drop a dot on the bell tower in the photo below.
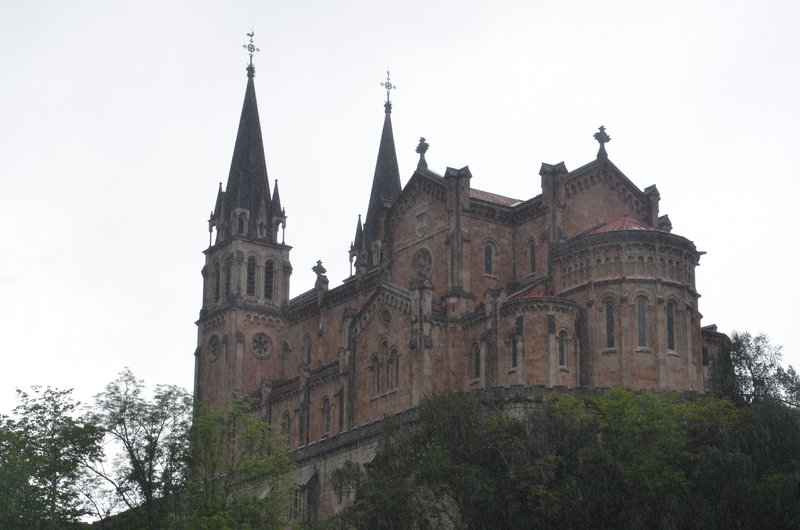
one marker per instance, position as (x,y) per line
(246,274)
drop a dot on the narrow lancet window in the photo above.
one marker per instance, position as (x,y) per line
(307,348)
(512,338)
(269,280)
(251,276)
(641,320)
(475,361)
(326,416)
(562,348)
(228,279)
(532,256)
(216,282)
(609,309)
(488,256)
(671,325)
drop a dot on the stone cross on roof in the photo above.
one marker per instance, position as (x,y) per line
(602,138)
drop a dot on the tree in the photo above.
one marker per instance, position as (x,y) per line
(20,507)
(152,443)
(41,457)
(238,470)
(612,459)
(749,369)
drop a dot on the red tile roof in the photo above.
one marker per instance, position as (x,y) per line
(493,198)
(623,223)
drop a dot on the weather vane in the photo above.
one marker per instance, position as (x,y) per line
(251,49)
(388,86)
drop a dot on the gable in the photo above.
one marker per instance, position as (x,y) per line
(599,193)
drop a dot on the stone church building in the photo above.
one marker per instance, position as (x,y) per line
(453,287)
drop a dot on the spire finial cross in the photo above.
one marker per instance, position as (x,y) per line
(251,49)
(389,87)
(602,138)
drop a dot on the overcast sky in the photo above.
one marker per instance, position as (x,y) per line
(118,120)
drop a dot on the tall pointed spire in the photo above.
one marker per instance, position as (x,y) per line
(386,181)
(276,200)
(248,184)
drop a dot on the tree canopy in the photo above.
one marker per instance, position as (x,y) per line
(614,459)
(42,451)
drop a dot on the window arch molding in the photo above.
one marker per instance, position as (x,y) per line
(307,349)
(642,303)
(217,281)
(252,266)
(490,258)
(325,410)
(671,323)
(532,255)
(609,320)
(393,369)
(563,348)
(286,427)
(474,360)
(512,344)
(374,374)
(228,271)
(269,278)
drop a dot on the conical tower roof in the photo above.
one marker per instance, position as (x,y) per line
(247,183)
(386,181)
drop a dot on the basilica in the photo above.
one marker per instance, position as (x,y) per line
(453,287)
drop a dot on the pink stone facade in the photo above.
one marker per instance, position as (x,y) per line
(581,286)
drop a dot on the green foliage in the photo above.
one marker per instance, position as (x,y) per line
(164,467)
(749,369)
(41,457)
(616,459)
(238,478)
(152,440)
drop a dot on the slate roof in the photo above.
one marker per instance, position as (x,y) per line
(247,182)
(386,182)
(623,223)
(493,198)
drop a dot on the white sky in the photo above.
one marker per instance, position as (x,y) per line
(118,119)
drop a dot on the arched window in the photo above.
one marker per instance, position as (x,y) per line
(326,415)
(228,274)
(488,259)
(340,409)
(241,225)
(269,280)
(286,427)
(532,254)
(475,361)
(641,320)
(251,276)
(671,325)
(374,385)
(609,309)
(217,274)
(512,349)
(307,348)
(393,369)
(562,348)
(383,370)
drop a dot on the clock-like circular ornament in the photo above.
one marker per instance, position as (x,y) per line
(386,319)
(261,346)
